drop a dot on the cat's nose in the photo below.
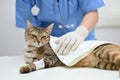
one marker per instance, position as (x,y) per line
(38,42)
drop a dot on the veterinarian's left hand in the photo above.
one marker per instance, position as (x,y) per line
(71,41)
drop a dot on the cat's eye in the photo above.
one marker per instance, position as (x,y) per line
(33,36)
(44,37)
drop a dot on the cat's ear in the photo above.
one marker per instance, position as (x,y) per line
(49,28)
(28,24)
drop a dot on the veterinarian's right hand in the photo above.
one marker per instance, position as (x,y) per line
(29,54)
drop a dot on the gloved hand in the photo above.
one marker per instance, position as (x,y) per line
(71,41)
(29,54)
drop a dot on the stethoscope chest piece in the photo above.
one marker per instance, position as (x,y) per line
(35,10)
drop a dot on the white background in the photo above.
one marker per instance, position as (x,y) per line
(12,38)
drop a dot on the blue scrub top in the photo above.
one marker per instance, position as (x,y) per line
(49,13)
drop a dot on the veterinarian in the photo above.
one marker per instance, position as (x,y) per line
(74,20)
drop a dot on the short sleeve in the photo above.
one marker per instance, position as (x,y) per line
(90,5)
(23,12)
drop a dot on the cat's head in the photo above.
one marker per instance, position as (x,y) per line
(37,36)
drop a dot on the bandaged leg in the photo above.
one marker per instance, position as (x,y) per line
(39,64)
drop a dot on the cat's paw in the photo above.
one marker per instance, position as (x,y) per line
(27,68)
(24,69)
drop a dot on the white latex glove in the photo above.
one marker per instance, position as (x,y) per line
(29,54)
(71,41)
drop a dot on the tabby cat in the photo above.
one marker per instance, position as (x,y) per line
(106,56)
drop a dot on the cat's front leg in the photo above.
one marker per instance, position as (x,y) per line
(46,62)
(32,67)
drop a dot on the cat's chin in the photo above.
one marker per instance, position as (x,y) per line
(37,46)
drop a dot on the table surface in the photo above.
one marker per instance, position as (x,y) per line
(9,69)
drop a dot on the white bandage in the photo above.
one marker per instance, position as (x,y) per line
(39,64)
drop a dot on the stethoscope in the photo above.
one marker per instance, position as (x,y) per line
(35,11)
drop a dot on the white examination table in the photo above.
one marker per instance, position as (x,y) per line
(9,70)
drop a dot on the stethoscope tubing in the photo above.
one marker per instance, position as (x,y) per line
(58,5)
(68,10)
